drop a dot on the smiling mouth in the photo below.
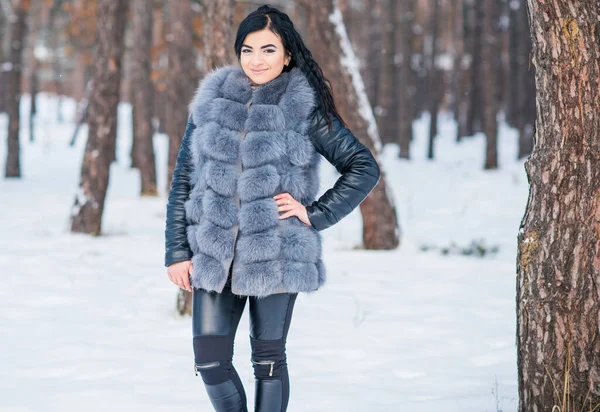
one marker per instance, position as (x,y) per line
(258,71)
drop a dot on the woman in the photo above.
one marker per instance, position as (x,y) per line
(242,220)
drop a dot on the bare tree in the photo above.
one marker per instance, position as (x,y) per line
(522,85)
(143,96)
(408,89)
(558,266)
(433,82)
(331,46)
(489,79)
(18,29)
(388,97)
(181,76)
(86,215)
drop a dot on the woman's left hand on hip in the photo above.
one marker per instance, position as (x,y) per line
(286,203)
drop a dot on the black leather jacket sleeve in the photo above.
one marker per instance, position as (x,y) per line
(177,248)
(354,161)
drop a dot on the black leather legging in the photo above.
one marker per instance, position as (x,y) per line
(215,318)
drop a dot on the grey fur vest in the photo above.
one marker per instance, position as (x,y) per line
(249,145)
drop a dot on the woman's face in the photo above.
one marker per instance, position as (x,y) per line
(262,56)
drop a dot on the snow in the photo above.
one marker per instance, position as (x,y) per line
(89,323)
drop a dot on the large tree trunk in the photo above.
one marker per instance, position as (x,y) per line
(558,273)
(331,46)
(181,76)
(18,28)
(218,36)
(489,81)
(143,96)
(86,215)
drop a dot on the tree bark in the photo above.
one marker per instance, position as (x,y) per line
(86,215)
(143,96)
(218,36)
(180,77)
(489,80)
(18,29)
(332,48)
(558,266)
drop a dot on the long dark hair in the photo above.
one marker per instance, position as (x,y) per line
(280,24)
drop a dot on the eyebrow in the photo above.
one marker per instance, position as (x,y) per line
(263,47)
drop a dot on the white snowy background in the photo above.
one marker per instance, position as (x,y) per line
(89,324)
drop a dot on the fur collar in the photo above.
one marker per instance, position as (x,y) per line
(290,90)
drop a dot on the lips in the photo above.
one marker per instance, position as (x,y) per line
(258,71)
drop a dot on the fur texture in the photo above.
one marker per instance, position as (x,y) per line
(250,144)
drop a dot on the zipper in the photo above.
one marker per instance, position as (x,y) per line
(205,366)
(266,363)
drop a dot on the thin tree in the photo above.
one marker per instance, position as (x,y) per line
(558,265)
(143,96)
(331,46)
(180,77)
(86,214)
(433,82)
(388,96)
(406,78)
(18,29)
(489,79)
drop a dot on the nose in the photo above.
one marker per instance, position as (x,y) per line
(256,59)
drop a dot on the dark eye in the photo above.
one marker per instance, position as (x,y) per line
(270,51)
(246,50)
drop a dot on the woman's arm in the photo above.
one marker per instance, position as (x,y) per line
(354,161)
(177,248)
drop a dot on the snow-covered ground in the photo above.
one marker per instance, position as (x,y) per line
(89,324)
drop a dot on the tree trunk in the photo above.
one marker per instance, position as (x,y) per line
(464,94)
(18,29)
(180,77)
(405,78)
(331,46)
(86,215)
(374,52)
(474,115)
(388,96)
(3,36)
(143,96)
(433,83)
(526,79)
(558,272)
(489,82)
(218,36)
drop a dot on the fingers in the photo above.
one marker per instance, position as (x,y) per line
(288,214)
(186,283)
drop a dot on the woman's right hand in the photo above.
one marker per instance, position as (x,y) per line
(179,274)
